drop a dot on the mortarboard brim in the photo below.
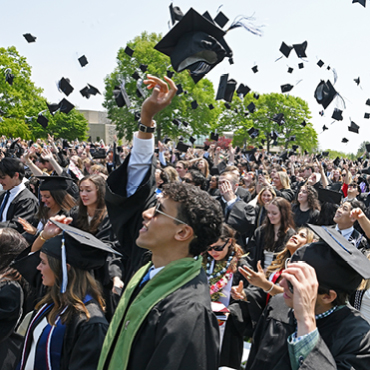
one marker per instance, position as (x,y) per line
(327,195)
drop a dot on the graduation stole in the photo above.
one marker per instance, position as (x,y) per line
(125,325)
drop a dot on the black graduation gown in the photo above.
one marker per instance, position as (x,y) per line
(126,213)
(180,332)
(344,340)
(303,218)
(24,205)
(83,339)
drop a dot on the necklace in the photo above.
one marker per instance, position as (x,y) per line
(216,273)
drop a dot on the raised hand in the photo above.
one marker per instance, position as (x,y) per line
(238,293)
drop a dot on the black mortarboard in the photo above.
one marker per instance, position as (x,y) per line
(170,74)
(121,96)
(176,122)
(144,68)
(226,88)
(300,49)
(135,76)
(129,51)
(9,77)
(337,114)
(166,139)
(279,118)
(324,128)
(83,60)
(284,155)
(176,14)
(362,2)
(185,123)
(43,121)
(52,108)
(367,115)
(65,86)
(193,43)
(325,154)
(55,182)
(214,136)
(221,19)
(357,80)
(327,195)
(242,90)
(336,161)
(85,92)
(255,69)
(291,138)
(274,135)
(182,147)
(353,128)
(300,65)
(290,70)
(294,147)
(253,132)
(367,146)
(286,88)
(227,105)
(325,93)
(194,104)
(285,49)
(100,153)
(303,123)
(367,102)
(344,140)
(93,90)
(210,106)
(256,96)
(251,107)
(65,106)
(320,63)
(29,37)
(192,140)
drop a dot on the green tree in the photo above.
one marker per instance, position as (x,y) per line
(23,99)
(362,149)
(294,109)
(201,120)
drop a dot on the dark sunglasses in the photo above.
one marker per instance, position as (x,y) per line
(218,248)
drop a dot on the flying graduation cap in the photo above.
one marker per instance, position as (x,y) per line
(285,49)
(286,88)
(65,106)
(226,88)
(53,107)
(65,86)
(121,96)
(279,118)
(42,120)
(337,114)
(325,93)
(353,127)
(129,51)
(324,128)
(255,69)
(357,80)
(253,132)
(83,60)
(300,49)
(362,2)
(89,90)
(9,77)
(176,14)
(29,37)
(344,140)
(242,90)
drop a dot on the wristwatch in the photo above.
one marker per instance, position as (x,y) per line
(146,129)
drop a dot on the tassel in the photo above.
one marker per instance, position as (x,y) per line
(246,23)
(64,266)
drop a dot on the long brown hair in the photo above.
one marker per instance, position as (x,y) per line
(64,200)
(286,222)
(100,210)
(80,283)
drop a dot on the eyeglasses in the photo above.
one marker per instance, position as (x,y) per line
(290,286)
(156,211)
(218,248)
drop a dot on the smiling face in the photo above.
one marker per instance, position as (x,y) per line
(266,197)
(220,255)
(273,213)
(276,181)
(296,241)
(342,216)
(47,199)
(47,274)
(88,193)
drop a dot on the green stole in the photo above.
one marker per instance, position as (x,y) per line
(170,278)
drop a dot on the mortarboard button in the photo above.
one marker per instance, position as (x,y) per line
(65,106)
(325,93)
(290,70)
(210,106)
(300,65)
(300,49)
(255,69)
(344,140)
(337,114)
(367,115)
(144,68)
(43,121)
(135,76)
(176,14)
(83,61)
(221,19)
(194,104)
(320,63)
(179,89)
(251,107)
(29,37)
(65,86)
(324,128)
(285,49)
(353,128)
(170,73)
(129,51)
(286,88)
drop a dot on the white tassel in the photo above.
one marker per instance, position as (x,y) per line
(64,267)
(246,23)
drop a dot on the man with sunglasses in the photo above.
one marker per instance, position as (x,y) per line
(311,325)
(164,318)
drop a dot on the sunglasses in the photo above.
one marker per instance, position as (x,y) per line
(218,248)
(158,211)
(290,286)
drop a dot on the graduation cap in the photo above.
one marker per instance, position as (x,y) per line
(166,139)
(210,106)
(194,43)
(274,135)
(325,93)
(194,104)
(367,102)
(135,76)
(255,69)
(100,153)
(344,140)
(65,106)
(291,138)
(176,14)
(89,90)
(137,115)
(285,49)
(185,123)
(284,156)
(214,136)
(336,161)
(242,90)
(327,195)
(303,123)
(325,154)
(286,88)
(367,115)
(253,132)
(29,37)
(170,74)
(55,182)
(256,96)
(192,140)
(320,63)
(324,128)
(290,70)
(357,80)
(65,86)
(179,89)
(9,77)
(182,147)
(300,49)
(53,107)
(129,51)
(227,105)
(353,128)
(279,118)
(221,19)
(226,88)
(83,60)
(42,120)
(338,264)
(362,2)
(251,107)
(294,147)
(121,96)
(176,122)
(337,114)
(144,68)
(300,65)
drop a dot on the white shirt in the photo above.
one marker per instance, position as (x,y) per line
(13,193)
(365,305)
(345,232)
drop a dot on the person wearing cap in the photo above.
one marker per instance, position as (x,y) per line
(310,325)
(16,200)
(164,317)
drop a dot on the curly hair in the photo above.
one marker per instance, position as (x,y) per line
(200,211)
(198,178)
(312,197)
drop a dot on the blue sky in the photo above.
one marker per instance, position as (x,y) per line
(337,32)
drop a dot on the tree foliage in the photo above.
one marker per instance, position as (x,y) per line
(23,99)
